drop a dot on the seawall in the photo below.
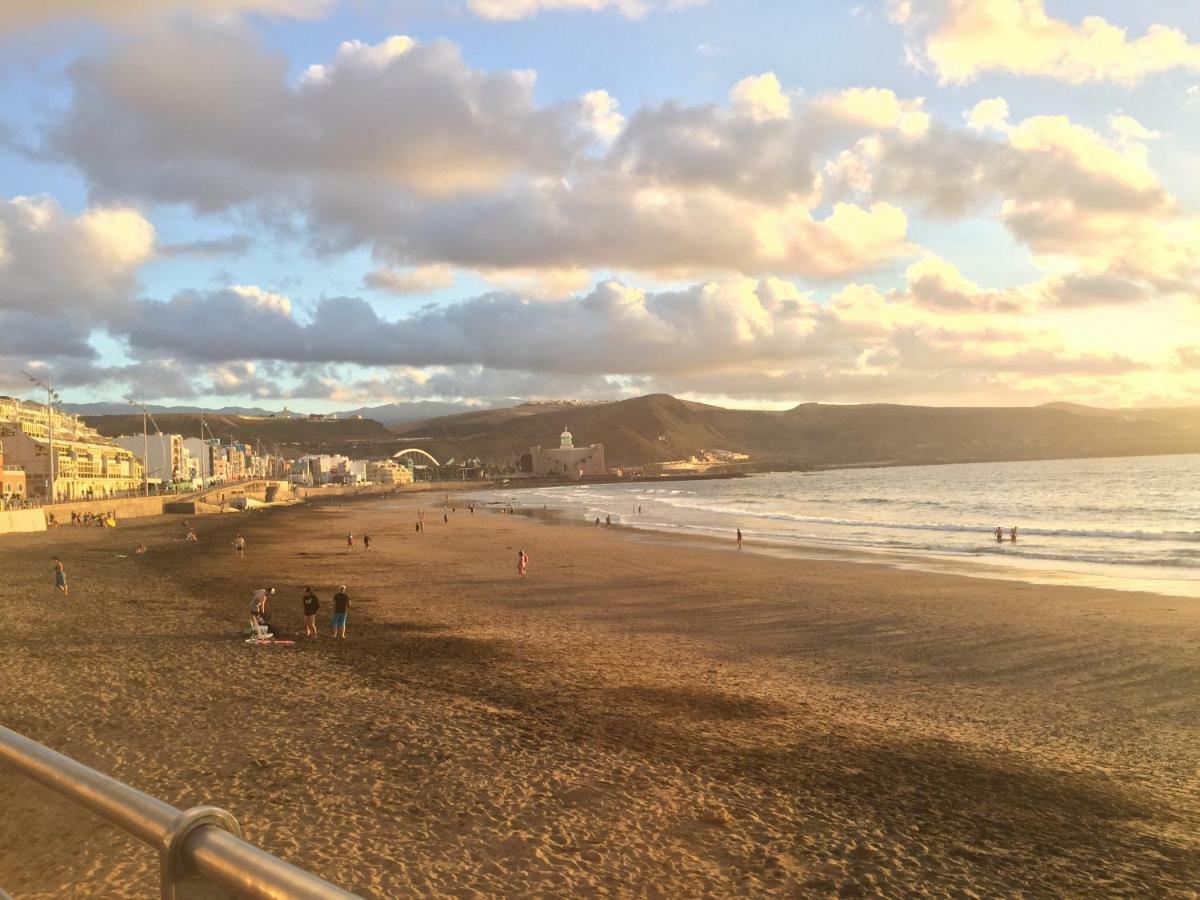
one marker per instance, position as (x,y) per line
(19,520)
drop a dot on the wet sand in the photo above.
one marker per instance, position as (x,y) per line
(634,717)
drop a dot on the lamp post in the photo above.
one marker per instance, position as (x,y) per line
(51,398)
(145,444)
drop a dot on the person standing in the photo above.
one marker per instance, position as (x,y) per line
(366,542)
(258,605)
(311,606)
(349,540)
(1013,534)
(341,608)
(739,538)
(60,576)
(999,534)
(522,562)
(239,546)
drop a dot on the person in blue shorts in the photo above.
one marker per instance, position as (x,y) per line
(341,607)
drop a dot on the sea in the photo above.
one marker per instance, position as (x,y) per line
(1131,523)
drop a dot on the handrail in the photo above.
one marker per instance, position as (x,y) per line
(198,838)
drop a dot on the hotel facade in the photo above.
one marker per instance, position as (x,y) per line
(87,464)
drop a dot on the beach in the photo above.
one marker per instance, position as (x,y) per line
(646,717)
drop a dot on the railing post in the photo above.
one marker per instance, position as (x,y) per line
(177,882)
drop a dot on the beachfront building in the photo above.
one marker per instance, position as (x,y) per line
(12,483)
(567,460)
(162,454)
(206,460)
(388,471)
(87,464)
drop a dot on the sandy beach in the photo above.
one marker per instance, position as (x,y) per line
(635,717)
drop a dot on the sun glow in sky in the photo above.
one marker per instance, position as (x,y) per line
(336,203)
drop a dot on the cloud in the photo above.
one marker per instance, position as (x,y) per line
(129,12)
(230,245)
(52,262)
(423,280)
(466,170)
(509,10)
(963,39)
(879,109)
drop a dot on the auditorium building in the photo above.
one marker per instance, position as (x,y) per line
(567,460)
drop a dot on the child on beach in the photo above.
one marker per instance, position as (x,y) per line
(522,562)
(60,576)
(341,608)
(239,546)
(311,605)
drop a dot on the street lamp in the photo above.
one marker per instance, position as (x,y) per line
(52,397)
(145,444)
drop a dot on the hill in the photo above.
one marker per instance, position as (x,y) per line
(293,436)
(659,428)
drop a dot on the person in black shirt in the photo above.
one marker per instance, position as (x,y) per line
(341,606)
(311,605)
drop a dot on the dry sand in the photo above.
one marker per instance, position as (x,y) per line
(635,717)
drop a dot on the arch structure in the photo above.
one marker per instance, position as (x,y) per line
(416,450)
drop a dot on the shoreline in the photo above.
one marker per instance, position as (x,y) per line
(949,564)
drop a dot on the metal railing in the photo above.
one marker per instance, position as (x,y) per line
(198,848)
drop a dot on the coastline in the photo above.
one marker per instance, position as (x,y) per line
(990,568)
(633,716)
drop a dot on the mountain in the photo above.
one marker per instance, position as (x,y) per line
(123,409)
(360,437)
(659,428)
(399,413)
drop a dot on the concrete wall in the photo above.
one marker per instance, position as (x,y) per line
(14,520)
(129,508)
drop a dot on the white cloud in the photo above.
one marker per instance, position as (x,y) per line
(422,280)
(467,171)
(19,13)
(880,109)
(963,39)
(988,115)
(522,9)
(761,97)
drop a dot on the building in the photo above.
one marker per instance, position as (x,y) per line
(567,460)
(86,464)
(389,472)
(207,460)
(164,459)
(12,483)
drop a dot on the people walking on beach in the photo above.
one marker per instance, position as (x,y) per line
(341,608)
(999,534)
(239,545)
(311,605)
(739,538)
(349,540)
(1012,534)
(366,542)
(522,562)
(60,576)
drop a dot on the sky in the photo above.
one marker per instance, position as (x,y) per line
(329,204)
